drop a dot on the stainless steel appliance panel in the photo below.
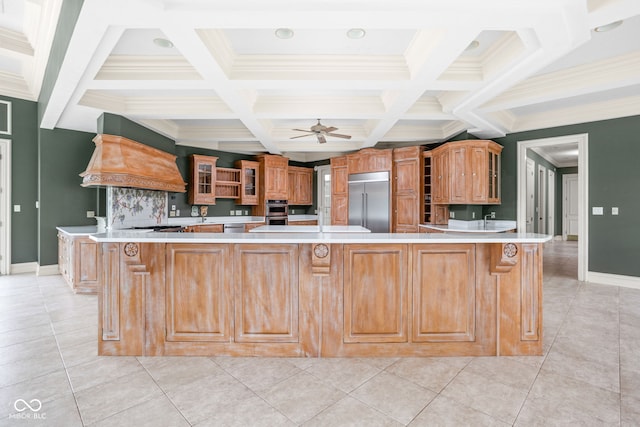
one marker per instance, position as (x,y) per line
(369,201)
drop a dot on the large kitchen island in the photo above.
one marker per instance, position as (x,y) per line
(320,294)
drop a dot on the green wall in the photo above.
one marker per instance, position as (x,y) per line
(24,179)
(64,154)
(112,124)
(614,147)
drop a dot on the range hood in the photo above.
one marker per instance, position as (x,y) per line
(121,162)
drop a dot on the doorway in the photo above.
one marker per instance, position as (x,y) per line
(5,206)
(530,194)
(551,202)
(324,194)
(583,190)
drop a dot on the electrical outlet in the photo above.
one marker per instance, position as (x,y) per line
(173,207)
(598,210)
(493,215)
(452,214)
(473,215)
(172,213)
(614,211)
(232,212)
(246,212)
(91,214)
(177,212)
(238,212)
(16,208)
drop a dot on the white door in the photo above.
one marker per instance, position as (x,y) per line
(551,202)
(542,199)
(530,194)
(570,206)
(324,195)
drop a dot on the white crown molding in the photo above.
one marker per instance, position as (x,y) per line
(14,43)
(607,74)
(463,68)
(505,51)
(15,86)
(166,128)
(103,101)
(319,67)
(593,112)
(130,67)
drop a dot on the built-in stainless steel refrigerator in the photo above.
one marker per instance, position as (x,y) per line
(369,201)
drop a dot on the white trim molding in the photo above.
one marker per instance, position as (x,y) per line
(613,279)
(583,190)
(7,131)
(5,206)
(24,267)
(48,270)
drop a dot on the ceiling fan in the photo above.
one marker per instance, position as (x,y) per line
(320,131)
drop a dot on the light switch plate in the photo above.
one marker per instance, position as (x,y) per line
(598,210)
(16,208)
(614,211)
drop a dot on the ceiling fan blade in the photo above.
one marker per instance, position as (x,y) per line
(321,139)
(303,130)
(330,129)
(302,136)
(337,135)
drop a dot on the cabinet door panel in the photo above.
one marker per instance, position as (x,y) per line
(479,174)
(406,213)
(458,168)
(443,293)
(266,293)
(375,293)
(198,293)
(339,210)
(87,273)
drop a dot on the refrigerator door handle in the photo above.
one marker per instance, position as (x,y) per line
(364,212)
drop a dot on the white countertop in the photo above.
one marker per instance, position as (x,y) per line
(262,238)
(309,229)
(492,226)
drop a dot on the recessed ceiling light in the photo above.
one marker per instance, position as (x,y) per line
(473,45)
(163,42)
(284,33)
(608,27)
(356,33)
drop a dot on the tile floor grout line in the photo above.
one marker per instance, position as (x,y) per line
(64,365)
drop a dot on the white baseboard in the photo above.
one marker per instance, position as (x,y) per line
(48,270)
(613,279)
(24,267)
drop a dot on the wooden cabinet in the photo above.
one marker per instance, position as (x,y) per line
(304,222)
(466,172)
(406,189)
(249,181)
(440,174)
(300,186)
(204,228)
(78,262)
(227,183)
(339,191)
(274,177)
(202,186)
(266,293)
(370,160)
(250,225)
(376,303)
(444,297)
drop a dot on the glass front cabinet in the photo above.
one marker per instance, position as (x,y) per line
(249,172)
(202,187)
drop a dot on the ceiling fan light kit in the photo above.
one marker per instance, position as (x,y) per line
(321,132)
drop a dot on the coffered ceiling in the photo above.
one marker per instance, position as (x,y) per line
(227,81)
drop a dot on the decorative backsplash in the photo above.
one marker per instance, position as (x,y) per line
(132,207)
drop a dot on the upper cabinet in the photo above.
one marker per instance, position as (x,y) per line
(249,172)
(406,189)
(274,177)
(370,160)
(202,188)
(300,185)
(466,172)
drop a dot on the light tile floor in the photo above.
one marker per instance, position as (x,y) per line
(589,374)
